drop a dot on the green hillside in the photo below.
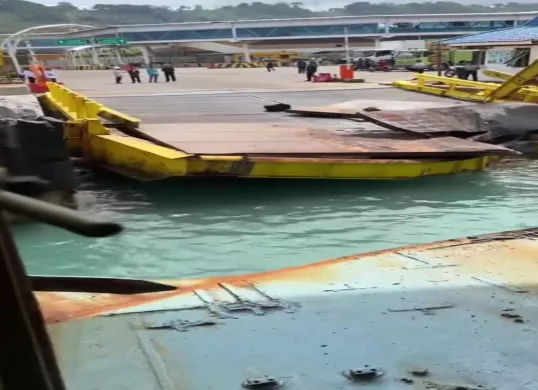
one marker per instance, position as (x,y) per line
(18,14)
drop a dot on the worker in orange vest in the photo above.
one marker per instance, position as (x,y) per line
(39,72)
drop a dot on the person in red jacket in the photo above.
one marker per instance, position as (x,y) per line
(129,69)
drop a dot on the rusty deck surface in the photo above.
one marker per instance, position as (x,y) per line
(459,314)
(283,139)
(236,124)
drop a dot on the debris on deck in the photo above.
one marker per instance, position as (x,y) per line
(492,121)
(353,108)
(511,124)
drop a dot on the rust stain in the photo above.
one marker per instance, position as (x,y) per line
(58,307)
(340,160)
(397,148)
(512,263)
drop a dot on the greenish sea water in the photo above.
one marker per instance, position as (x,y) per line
(191,229)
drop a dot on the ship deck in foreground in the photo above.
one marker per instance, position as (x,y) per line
(459,314)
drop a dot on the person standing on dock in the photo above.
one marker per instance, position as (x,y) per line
(169,72)
(301,66)
(29,75)
(311,69)
(270,66)
(129,70)
(135,75)
(118,74)
(51,75)
(153,74)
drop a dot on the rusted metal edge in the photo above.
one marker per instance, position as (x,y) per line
(339,159)
(63,307)
(389,155)
(313,113)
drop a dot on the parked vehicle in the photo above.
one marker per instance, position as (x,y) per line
(381,65)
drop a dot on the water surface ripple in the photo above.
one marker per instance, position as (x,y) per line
(201,228)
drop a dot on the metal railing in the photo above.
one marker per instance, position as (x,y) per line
(76,106)
(515,88)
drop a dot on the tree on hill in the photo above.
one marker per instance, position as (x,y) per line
(18,14)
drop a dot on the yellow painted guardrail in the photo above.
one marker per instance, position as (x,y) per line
(514,88)
(74,106)
(87,135)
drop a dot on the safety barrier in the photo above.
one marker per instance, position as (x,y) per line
(471,90)
(234,65)
(87,67)
(129,155)
(85,113)
(75,106)
(208,65)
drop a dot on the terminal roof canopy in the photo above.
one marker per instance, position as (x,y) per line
(527,33)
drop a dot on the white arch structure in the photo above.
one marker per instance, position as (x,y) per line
(12,42)
(77,52)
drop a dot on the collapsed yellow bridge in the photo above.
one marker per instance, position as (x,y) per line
(119,142)
(520,87)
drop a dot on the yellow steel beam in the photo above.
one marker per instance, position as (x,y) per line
(497,74)
(514,83)
(118,117)
(435,90)
(532,84)
(475,91)
(154,162)
(325,168)
(71,104)
(424,78)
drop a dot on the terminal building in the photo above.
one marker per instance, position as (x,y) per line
(515,47)
(251,36)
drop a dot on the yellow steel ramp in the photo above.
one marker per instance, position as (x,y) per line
(120,142)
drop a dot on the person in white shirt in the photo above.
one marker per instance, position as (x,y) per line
(118,74)
(50,74)
(29,76)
